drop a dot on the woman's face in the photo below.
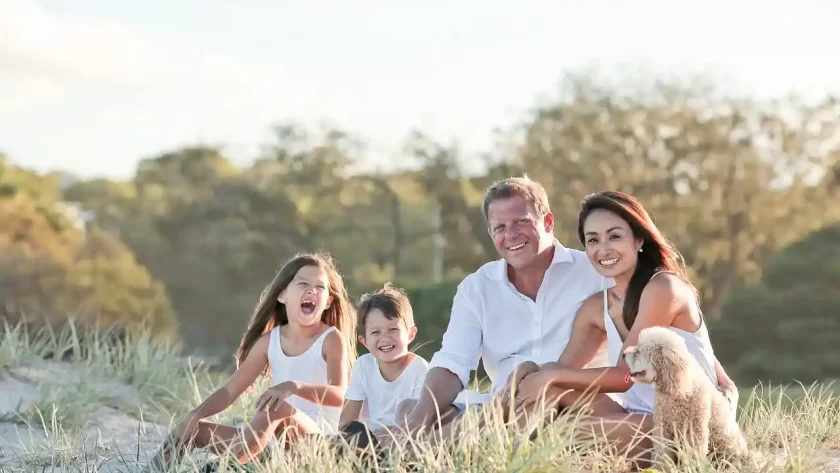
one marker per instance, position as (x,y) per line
(610,244)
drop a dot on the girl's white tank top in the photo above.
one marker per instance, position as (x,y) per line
(308,367)
(640,397)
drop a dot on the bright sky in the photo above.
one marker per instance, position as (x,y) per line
(93,86)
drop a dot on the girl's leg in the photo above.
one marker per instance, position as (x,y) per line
(249,441)
(246,442)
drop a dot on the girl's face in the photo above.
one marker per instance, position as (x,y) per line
(610,244)
(307,296)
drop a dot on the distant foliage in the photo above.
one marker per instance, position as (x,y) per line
(432,305)
(788,325)
(730,181)
(52,267)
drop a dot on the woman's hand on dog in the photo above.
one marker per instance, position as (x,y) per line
(730,392)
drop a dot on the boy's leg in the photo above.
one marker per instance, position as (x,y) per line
(403,410)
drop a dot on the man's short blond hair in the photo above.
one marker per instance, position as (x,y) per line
(532,191)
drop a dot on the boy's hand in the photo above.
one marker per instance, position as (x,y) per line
(271,399)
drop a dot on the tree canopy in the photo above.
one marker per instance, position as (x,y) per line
(194,238)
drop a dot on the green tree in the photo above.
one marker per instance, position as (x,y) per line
(786,327)
(53,265)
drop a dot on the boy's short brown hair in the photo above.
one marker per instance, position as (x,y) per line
(532,191)
(391,300)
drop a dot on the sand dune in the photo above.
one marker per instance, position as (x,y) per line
(36,431)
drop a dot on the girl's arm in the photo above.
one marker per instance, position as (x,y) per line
(332,393)
(659,304)
(248,372)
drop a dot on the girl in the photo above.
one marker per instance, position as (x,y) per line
(651,288)
(302,333)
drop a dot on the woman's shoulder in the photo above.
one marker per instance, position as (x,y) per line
(593,303)
(667,285)
(592,308)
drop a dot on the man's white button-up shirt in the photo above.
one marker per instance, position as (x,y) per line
(493,321)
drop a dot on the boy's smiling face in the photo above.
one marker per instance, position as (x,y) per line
(386,339)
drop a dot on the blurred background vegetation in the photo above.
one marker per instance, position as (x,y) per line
(748,191)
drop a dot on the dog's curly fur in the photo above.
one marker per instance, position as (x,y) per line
(688,409)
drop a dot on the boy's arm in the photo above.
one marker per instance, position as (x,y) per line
(419,381)
(354,398)
(350,412)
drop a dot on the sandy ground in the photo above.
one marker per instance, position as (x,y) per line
(110,438)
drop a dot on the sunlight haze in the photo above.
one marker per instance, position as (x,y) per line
(91,86)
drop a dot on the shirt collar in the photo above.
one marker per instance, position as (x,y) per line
(561,255)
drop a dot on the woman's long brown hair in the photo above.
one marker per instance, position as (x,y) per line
(269,312)
(658,254)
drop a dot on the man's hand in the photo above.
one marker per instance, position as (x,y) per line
(271,399)
(519,373)
(532,389)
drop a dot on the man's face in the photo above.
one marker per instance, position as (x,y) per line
(519,235)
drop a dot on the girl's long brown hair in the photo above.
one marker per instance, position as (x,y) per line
(269,312)
(658,254)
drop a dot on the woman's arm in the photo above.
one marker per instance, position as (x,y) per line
(332,393)
(587,335)
(722,378)
(660,302)
(726,386)
(248,372)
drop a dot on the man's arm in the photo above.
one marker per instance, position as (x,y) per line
(450,368)
(439,392)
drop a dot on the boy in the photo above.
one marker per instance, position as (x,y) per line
(388,380)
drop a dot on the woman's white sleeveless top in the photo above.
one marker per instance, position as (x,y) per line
(639,399)
(308,367)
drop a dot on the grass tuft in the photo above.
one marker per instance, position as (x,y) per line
(79,399)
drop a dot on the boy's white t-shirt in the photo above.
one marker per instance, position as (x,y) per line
(381,397)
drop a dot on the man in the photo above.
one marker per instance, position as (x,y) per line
(510,311)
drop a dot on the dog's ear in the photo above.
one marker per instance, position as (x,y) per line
(670,368)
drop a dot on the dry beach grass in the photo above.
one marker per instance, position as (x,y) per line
(84,402)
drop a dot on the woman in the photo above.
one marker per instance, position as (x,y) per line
(651,288)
